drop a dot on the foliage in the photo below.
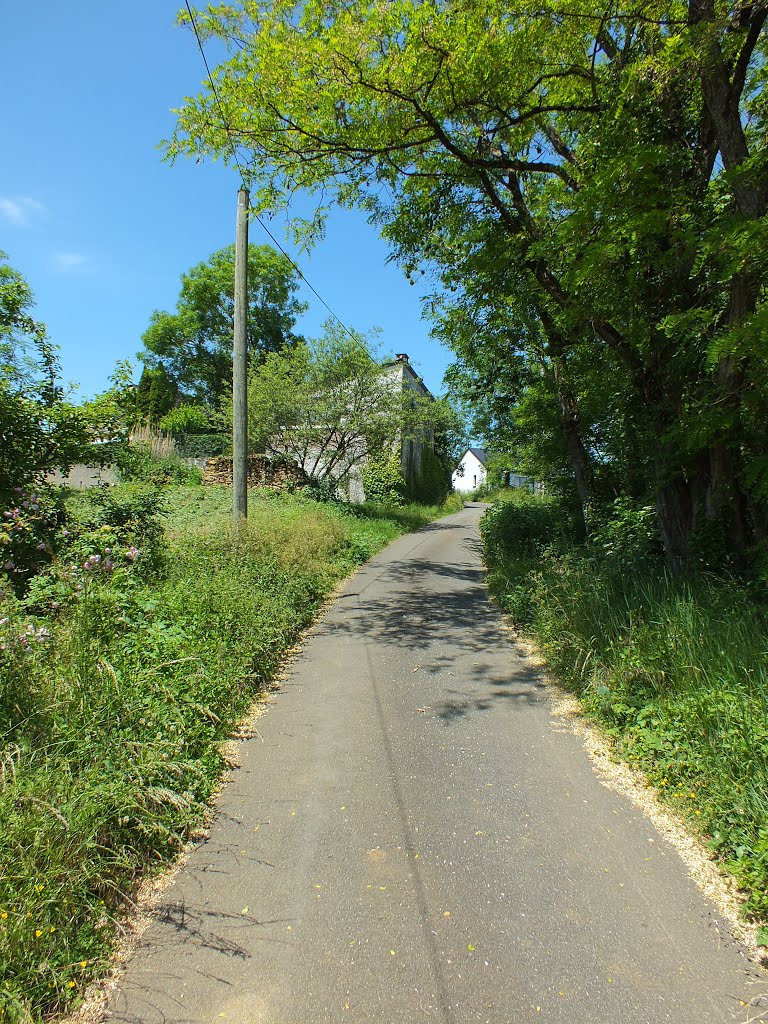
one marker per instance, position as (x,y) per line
(586,186)
(328,404)
(39,429)
(137,463)
(192,347)
(675,671)
(28,534)
(203,446)
(156,395)
(117,686)
(433,478)
(383,480)
(185,419)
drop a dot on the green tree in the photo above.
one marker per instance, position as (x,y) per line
(156,394)
(39,429)
(193,345)
(606,168)
(329,405)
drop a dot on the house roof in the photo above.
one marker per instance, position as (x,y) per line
(480,453)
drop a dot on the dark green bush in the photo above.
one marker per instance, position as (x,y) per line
(203,446)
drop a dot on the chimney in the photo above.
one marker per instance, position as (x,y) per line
(401,357)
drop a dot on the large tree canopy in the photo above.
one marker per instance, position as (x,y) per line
(193,346)
(591,179)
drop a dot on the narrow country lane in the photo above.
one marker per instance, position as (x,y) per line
(412,838)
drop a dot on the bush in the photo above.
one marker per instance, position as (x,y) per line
(383,480)
(203,446)
(137,463)
(185,419)
(29,532)
(629,538)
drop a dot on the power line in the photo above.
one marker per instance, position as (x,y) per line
(261,223)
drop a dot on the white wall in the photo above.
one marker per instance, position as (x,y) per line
(469,474)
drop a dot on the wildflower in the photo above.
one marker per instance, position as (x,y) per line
(51,930)
(70,984)
(94,559)
(41,546)
(38,932)
(83,963)
(132,553)
(3,914)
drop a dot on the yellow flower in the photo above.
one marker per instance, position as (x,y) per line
(70,984)
(38,933)
(83,963)
(51,930)
(3,914)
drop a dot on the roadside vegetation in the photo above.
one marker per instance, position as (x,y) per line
(675,669)
(135,632)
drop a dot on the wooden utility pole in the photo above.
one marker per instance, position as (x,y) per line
(240,365)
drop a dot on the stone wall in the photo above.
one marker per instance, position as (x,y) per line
(262,472)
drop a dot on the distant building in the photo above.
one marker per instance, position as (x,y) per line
(405,378)
(471,472)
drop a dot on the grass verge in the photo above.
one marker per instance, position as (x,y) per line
(123,665)
(675,671)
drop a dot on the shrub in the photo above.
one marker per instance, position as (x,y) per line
(185,419)
(383,480)
(629,537)
(137,463)
(28,534)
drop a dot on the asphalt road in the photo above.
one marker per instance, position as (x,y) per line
(412,838)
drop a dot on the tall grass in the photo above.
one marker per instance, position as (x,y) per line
(675,670)
(116,688)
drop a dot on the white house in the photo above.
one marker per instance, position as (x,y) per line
(470,472)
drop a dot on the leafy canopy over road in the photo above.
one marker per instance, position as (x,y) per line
(589,184)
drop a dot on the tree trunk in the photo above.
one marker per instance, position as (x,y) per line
(674,510)
(580,461)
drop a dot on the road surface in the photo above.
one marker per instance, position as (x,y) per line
(412,838)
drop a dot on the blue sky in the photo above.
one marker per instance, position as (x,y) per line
(102,229)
